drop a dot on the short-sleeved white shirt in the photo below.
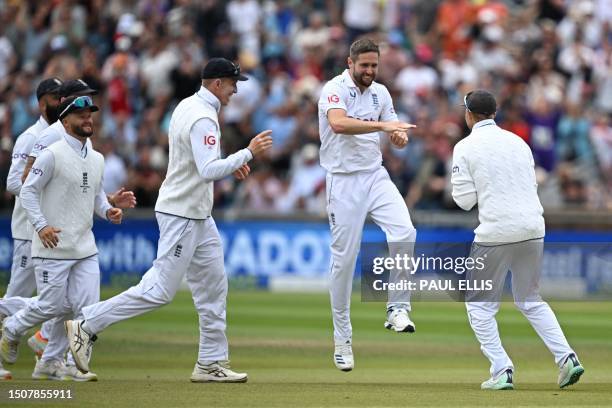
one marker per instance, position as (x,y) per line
(351,153)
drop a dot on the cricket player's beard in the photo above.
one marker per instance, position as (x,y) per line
(360,80)
(79,131)
(52,114)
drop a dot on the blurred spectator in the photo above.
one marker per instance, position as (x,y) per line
(513,122)
(361,17)
(543,120)
(602,75)
(393,58)
(573,142)
(417,78)
(453,23)
(245,17)
(261,191)
(24,105)
(314,36)
(115,175)
(307,184)
(601,139)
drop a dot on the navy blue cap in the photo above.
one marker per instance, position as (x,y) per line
(76,87)
(48,86)
(222,68)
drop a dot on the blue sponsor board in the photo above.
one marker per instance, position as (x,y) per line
(283,248)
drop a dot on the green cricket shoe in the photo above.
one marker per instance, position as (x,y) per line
(570,371)
(501,382)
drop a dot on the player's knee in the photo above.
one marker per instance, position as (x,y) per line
(479,311)
(164,298)
(528,307)
(52,309)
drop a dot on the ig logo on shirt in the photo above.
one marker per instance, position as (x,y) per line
(333,98)
(210,141)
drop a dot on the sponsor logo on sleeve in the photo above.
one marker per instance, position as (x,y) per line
(333,98)
(210,141)
(37,172)
(21,156)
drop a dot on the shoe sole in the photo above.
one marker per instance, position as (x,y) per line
(575,375)
(242,380)
(502,388)
(6,377)
(77,360)
(46,378)
(407,329)
(68,378)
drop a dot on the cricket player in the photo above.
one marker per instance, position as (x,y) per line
(189,243)
(22,282)
(48,136)
(494,168)
(60,196)
(353,109)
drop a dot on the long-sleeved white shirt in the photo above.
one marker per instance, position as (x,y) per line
(195,158)
(205,140)
(41,174)
(494,168)
(21,150)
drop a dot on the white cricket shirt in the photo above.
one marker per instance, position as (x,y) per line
(195,158)
(20,226)
(351,153)
(494,168)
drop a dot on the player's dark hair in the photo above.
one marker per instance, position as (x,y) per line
(362,46)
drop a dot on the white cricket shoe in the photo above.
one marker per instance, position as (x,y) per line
(343,357)
(9,349)
(217,371)
(57,371)
(399,321)
(80,343)
(5,374)
(73,374)
(501,382)
(570,371)
(49,370)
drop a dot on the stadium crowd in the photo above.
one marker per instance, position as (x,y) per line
(549,63)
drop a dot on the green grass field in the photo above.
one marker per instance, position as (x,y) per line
(284,342)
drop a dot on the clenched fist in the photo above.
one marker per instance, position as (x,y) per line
(398,138)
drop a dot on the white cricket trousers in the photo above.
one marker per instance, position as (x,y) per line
(65,286)
(350,199)
(186,247)
(22,282)
(524,260)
